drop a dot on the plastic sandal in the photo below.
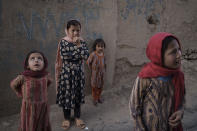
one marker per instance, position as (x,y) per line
(80,123)
(65,124)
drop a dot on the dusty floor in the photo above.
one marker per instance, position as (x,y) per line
(112,115)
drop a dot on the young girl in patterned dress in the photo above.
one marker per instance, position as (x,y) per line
(32,86)
(158,95)
(96,63)
(70,81)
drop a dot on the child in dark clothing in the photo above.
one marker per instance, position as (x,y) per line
(70,80)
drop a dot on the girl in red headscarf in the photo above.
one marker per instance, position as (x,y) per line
(158,95)
(32,86)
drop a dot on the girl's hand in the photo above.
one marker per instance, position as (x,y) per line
(18,94)
(77,41)
(175,118)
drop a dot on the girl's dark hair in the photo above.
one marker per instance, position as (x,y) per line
(27,58)
(98,41)
(165,44)
(72,22)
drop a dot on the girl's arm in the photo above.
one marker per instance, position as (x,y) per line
(16,85)
(73,52)
(83,50)
(58,66)
(65,50)
(105,63)
(175,118)
(135,105)
(90,60)
(82,47)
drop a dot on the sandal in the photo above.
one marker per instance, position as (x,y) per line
(100,101)
(80,123)
(95,103)
(65,124)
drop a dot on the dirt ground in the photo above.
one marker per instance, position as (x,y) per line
(112,115)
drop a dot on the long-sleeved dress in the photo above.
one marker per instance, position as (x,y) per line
(96,63)
(35,109)
(70,74)
(152,103)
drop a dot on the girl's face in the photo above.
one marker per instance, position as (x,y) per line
(172,56)
(99,47)
(73,31)
(36,62)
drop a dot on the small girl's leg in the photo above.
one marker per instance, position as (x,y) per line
(95,96)
(99,95)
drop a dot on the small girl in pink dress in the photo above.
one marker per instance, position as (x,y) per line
(32,86)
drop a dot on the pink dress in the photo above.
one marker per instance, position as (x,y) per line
(35,109)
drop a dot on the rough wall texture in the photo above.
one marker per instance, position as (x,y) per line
(125,25)
(138,20)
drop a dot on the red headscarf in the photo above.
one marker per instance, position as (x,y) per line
(31,73)
(155,69)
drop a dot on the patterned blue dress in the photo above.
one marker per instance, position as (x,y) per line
(71,85)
